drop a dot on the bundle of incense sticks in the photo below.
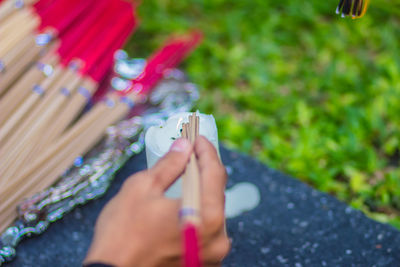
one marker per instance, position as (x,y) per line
(190,212)
(47,141)
(62,50)
(40,104)
(68,75)
(28,30)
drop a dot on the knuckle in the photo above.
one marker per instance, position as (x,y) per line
(168,165)
(218,250)
(221,171)
(130,183)
(214,220)
(157,181)
(160,173)
(173,157)
(218,171)
(223,248)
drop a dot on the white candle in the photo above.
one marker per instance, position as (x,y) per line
(240,198)
(158,140)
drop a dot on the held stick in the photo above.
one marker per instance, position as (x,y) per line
(190,212)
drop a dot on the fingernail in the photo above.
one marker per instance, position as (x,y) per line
(180,145)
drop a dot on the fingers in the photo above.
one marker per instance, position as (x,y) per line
(171,166)
(215,251)
(212,172)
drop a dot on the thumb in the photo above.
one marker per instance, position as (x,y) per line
(172,165)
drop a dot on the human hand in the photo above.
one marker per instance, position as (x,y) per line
(140,226)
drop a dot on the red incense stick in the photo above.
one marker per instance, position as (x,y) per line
(41,6)
(61,14)
(165,58)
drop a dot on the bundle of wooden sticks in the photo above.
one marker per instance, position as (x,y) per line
(49,72)
(190,212)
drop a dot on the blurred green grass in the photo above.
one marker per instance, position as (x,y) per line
(303,90)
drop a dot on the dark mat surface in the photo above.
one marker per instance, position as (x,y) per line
(294,225)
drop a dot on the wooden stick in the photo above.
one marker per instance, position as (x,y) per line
(6,222)
(12,146)
(197,126)
(8,7)
(20,118)
(23,87)
(18,50)
(13,23)
(62,114)
(59,145)
(89,129)
(17,155)
(12,17)
(17,61)
(191,177)
(75,105)
(26,27)
(68,148)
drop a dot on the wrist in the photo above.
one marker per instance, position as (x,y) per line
(97,264)
(113,255)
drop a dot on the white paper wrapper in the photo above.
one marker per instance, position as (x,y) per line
(158,140)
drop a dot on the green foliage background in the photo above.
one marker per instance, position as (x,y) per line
(303,90)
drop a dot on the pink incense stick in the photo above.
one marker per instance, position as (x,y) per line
(41,6)
(102,72)
(57,18)
(191,247)
(144,81)
(126,19)
(77,10)
(179,47)
(76,38)
(87,19)
(95,32)
(53,13)
(102,67)
(167,57)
